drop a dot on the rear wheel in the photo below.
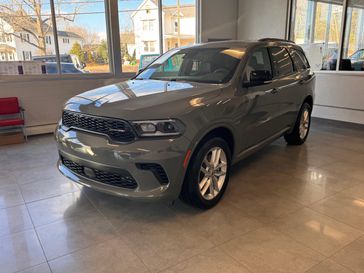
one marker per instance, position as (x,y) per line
(302,127)
(208,174)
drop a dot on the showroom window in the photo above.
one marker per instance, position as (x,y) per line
(53,37)
(179,23)
(317,28)
(330,30)
(80,45)
(139,33)
(353,46)
(140,24)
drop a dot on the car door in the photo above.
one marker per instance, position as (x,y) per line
(303,81)
(256,110)
(284,99)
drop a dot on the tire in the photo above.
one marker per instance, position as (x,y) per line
(299,134)
(201,174)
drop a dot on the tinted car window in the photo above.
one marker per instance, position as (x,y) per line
(297,59)
(206,65)
(282,64)
(258,61)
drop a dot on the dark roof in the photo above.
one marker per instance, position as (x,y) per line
(68,34)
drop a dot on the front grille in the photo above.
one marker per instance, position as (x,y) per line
(116,129)
(124,180)
(156,169)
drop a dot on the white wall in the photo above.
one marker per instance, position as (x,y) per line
(261,18)
(219,19)
(339,96)
(43,99)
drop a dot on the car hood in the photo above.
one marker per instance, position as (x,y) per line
(143,99)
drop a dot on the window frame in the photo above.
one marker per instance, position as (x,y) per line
(114,45)
(290,25)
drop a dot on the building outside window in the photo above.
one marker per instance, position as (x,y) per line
(149,46)
(48,40)
(27,55)
(149,25)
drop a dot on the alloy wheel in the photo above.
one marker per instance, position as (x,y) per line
(212,174)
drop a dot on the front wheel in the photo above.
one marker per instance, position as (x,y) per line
(208,174)
(302,127)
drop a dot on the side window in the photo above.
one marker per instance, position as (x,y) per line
(259,62)
(304,58)
(297,59)
(282,64)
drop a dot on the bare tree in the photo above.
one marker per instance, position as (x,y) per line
(32,17)
(89,37)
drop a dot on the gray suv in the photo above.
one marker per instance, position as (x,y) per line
(176,128)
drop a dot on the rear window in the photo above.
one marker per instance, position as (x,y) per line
(298,59)
(282,63)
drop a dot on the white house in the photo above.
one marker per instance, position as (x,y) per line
(20,46)
(178,28)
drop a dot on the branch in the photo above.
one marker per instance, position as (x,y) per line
(31,43)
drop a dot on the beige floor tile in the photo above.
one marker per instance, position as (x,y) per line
(324,179)
(60,207)
(211,261)
(42,268)
(329,266)
(267,250)
(161,244)
(108,257)
(20,251)
(71,234)
(14,219)
(218,224)
(352,256)
(317,231)
(10,196)
(350,169)
(355,191)
(261,204)
(46,188)
(38,174)
(343,208)
(6,177)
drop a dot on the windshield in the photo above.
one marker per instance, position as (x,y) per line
(206,65)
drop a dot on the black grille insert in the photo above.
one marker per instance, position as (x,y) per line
(124,180)
(156,169)
(116,129)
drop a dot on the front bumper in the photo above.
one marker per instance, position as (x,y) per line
(97,152)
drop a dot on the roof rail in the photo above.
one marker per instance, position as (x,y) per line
(275,40)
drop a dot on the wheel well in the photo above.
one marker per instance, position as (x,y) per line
(222,132)
(309,100)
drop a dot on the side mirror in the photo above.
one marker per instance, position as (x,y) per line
(258,77)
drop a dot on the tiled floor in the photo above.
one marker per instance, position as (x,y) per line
(287,209)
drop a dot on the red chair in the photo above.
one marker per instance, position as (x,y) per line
(9,107)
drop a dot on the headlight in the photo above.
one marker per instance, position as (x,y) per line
(168,127)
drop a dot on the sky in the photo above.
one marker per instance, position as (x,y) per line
(92,16)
